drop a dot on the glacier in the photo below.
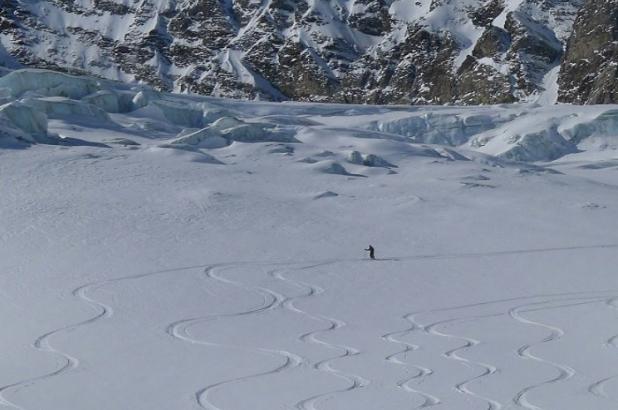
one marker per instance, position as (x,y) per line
(519,132)
(163,251)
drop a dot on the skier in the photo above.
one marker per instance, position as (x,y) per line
(371,252)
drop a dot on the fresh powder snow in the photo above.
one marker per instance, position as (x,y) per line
(162,251)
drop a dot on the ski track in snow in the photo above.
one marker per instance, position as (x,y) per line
(565,372)
(431,329)
(469,342)
(271,300)
(42,343)
(428,399)
(179,329)
(356,381)
(488,369)
(598,387)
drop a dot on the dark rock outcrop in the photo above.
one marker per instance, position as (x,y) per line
(368,51)
(589,69)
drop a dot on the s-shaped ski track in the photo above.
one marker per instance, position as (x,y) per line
(42,343)
(355,381)
(431,329)
(429,400)
(598,387)
(565,372)
(271,300)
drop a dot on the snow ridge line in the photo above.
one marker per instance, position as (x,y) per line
(356,381)
(42,344)
(564,372)
(429,399)
(271,300)
(598,388)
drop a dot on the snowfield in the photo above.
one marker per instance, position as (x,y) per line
(177,252)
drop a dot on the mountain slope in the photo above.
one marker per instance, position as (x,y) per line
(590,65)
(362,51)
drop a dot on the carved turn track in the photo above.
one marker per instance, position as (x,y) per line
(565,372)
(355,381)
(42,343)
(428,399)
(598,388)
(488,369)
(271,300)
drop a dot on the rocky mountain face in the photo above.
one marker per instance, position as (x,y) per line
(360,51)
(589,72)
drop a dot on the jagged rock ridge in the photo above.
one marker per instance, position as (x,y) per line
(361,51)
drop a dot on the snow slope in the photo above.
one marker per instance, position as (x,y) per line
(364,51)
(188,252)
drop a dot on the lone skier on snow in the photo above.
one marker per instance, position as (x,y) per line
(371,252)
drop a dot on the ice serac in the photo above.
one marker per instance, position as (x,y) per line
(447,129)
(21,122)
(226,130)
(193,124)
(363,51)
(598,129)
(589,70)
(47,83)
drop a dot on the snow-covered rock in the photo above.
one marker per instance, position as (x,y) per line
(369,160)
(364,51)
(589,69)
(332,167)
